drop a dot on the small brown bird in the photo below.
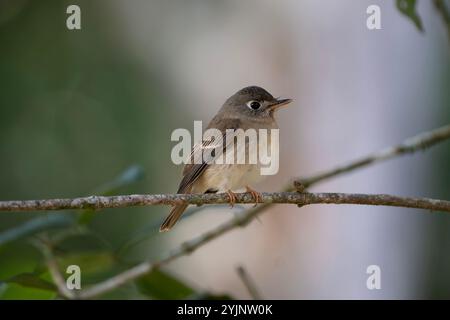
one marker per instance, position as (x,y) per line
(251,107)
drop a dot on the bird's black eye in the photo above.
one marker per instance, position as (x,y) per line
(253,104)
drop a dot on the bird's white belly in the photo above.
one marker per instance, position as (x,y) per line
(228,177)
(224,177)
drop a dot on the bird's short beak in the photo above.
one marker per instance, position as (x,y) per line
(279,103)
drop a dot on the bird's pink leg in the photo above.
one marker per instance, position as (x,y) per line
(232,196)
(255,194)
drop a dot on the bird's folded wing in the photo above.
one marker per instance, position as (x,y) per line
(208,151)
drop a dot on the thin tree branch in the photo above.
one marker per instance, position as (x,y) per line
(421,141)
(248,283)
(184,249)
(52,265)
(297,198)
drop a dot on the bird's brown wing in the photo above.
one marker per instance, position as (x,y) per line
(192,172)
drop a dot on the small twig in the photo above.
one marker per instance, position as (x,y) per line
(411,145)
(248,283)
(47,250)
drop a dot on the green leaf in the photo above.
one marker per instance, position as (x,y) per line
(408,8)
(160,285)
(16,260)
(91,264)
(86,216)
(31,280)
(132,174)
(35,226)
(13,291)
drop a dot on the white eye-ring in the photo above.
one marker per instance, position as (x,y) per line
(254,105)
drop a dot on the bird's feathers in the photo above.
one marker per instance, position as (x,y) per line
(193,171)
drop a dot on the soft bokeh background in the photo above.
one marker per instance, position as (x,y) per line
(92,110)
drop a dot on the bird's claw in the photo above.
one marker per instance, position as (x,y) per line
(232,197)
(255,194)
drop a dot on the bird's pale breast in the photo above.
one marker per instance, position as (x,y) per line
(223,177)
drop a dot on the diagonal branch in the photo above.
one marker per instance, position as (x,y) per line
(416,143)
(248,283)
(52,265)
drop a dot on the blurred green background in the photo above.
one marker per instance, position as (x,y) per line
(91,112)
(77,113)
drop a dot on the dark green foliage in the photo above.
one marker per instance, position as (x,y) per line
(408,8)
(160,285)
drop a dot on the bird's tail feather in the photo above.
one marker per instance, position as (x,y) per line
(173,217)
